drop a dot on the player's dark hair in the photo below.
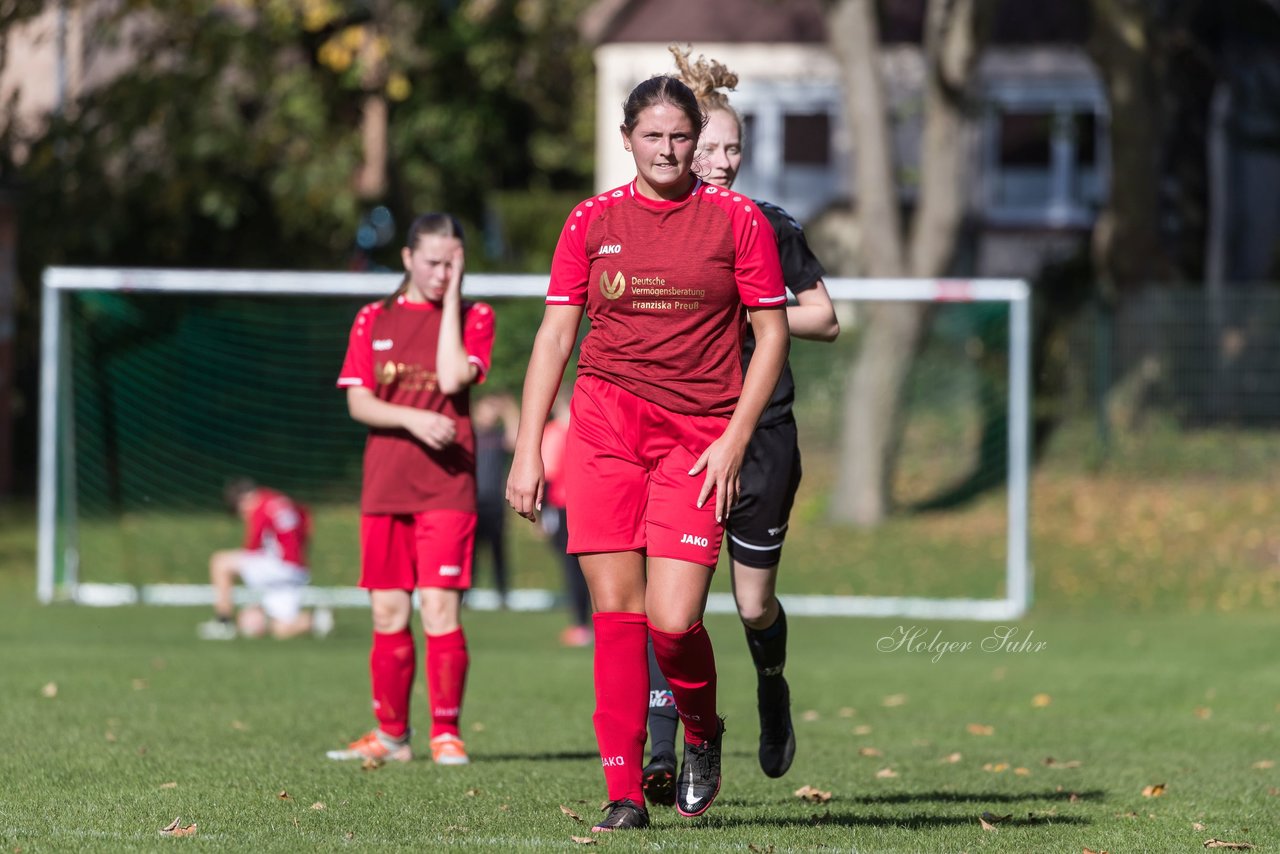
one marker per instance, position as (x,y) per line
(662,89)
(235,489)
(426,225)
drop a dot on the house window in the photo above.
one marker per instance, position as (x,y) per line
(1043,161)
(806,139)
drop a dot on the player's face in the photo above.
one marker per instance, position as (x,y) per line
(662,143)
(719,149)
(430,265)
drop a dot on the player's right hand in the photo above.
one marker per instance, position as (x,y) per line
(525,485)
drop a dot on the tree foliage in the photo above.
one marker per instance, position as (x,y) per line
(233,136)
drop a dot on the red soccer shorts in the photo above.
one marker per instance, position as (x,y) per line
(406,551)
(627,476)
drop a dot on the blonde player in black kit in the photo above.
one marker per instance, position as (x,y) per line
(770,471)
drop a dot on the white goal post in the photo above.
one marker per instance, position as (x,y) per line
(56,484)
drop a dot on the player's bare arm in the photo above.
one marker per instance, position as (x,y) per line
(434,430)
(814,317)
(454,370)
(552,347)
(722,460)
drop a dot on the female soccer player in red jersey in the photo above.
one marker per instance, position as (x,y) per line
(410,361)
(661,418)
(771,470)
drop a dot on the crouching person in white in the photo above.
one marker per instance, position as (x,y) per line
(272,561)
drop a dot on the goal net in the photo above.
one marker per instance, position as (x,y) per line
(160,385)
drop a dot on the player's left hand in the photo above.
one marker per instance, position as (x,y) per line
(722,461)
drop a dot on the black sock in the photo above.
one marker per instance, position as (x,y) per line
(663,717)
(769,646)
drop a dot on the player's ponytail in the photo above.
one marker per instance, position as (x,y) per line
(428,224)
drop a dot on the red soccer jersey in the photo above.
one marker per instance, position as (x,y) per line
(664,284)
(278,526)
(392,351)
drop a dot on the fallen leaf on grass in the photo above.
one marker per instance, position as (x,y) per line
(175,828)
(756,849)
(1264,764)
(1040,701)
(951,758)
(49,691)
(812,794)
(1022,772)
(996,767)
(1053,763)
(318,805)
(1089,850)
(1203,712)
(1233,846)
(894,700)
(810,716)
(349,835)
(1153,791)
(284,796)
(989,820)
(847,712)
(862,729)
(169,785)
(870,751)
(111,737)
(583,840)
(240,725)
(139,684)
(573,815)
(981,729)
(471,793)
(886,773)
(1195,825)
(477,727)
(371,763)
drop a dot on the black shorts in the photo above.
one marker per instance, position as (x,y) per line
(769,479)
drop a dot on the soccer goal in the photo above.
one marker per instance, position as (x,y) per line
(159,385)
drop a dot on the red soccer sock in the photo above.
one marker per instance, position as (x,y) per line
(447,663)
(689,663)
(391,668)
(622,694)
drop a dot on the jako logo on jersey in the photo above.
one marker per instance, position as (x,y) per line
(382,344)
(610,248)
(612,761)
(690,539)
(451,570)
(614,289)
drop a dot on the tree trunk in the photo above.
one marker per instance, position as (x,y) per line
(893,332)
(371,181)
(1126,247)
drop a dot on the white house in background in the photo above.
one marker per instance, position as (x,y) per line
(1039,141)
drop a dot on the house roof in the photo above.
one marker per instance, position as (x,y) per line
(705,21)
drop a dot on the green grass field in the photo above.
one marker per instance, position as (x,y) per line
(1151,662)
(118,720)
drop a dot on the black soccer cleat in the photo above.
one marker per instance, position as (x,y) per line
(658,780)
(625,814)
(777,737)
(699,781)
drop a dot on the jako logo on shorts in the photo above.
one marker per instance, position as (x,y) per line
(690,539)
(451,570)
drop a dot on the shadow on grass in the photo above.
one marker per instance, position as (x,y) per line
(562,756)
(913,821)
(978,797)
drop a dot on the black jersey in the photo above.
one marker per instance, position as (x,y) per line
(801,271)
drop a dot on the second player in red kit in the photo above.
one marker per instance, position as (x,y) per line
(410,362)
